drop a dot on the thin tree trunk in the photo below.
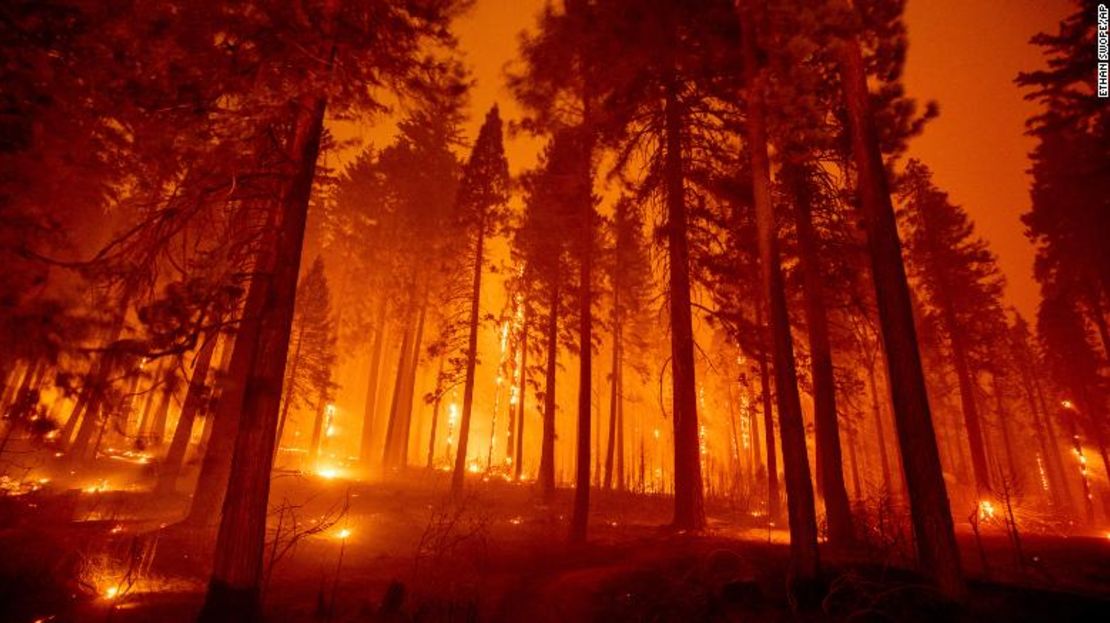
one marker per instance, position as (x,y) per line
(689,503)
(410,388)
(317,432)
(825,417)
(880,433)
(459,476)
(234,589)
(162,411)
(290,386)
(371,405)
(581,508)
(547,450)
(1004,423)
(804,559)
(935,538)
(613,375)
(774,510)
(194,398)
(435,413)
(518,454)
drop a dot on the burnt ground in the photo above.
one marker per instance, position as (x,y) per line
(413,554)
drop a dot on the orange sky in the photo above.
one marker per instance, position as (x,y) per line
(963,53)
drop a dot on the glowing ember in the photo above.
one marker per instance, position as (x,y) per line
(986,510)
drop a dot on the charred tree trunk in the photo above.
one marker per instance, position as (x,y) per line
(371,406)
(972,420)
(547,450)
(194,401)
(935,538)
(317,432)
(435,413)
(234,589)
(614,390)
(689,503)
(825,418)
(162,411)
(459,476)
(410,389)
(804,559)
(880,433)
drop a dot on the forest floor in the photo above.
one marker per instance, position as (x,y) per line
(402,550)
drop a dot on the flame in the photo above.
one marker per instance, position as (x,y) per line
(111,592)
(343,534)
(986,510)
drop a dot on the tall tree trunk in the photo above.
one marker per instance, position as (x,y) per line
(689,503)
(804,559)
(290,386)
(522,392)
(215,467)
(318,431)
(1004,424)
(410,388)
(1046,437)
(774,510)
(194,400)
(435,413)
(825,418)
(966,383)
(391,456)
(369,413)
(613,391)
(581,508)
(234,589)
(935,537)
(880,433)
(162,411)
(459,476)
(547,449)
(143,432)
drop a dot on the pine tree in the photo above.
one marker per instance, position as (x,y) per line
(480,209)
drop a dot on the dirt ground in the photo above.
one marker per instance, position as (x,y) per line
(404,551)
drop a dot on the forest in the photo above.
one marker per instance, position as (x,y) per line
(661,318)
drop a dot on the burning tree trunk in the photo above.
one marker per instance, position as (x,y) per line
(689,505)
(194,399)
(372,382)
(935,537)
(825,418)
(547,450)
(233,591)
(804,560)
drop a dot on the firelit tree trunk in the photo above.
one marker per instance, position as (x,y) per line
(215,467)
(369,413)
(234,589)
(825,418)
(613,391)
(804,560)
(161,414)
(880,433)
(86,412)
(581,509)
(405,413)
(547,444)
(391,456)
(459,476)
(1046,436)
(1004,425)
(522,394)
(439,390)
(194,401)
(143,432)
(689,505)
(966,383)
(317,432)
(774,509)
(935,538)
(294,366)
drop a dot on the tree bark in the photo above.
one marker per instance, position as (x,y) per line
(581,508)
(391,456)
(547,450)
(287,400)
(935,538)
(689,504)
(518,454)
(194,399)
(804,559)
(825,418)
(774,507)
(234,589)
(371,406)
